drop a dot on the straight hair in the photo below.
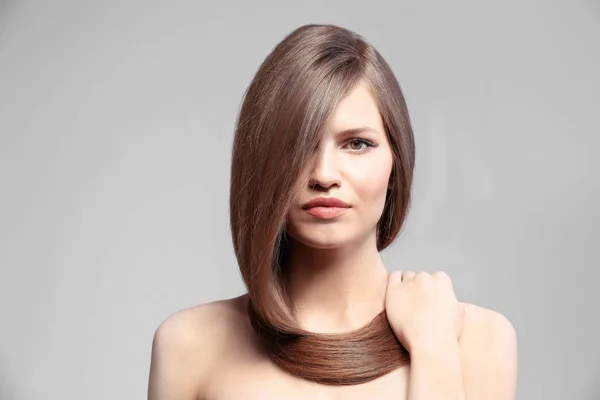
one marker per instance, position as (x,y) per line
(284,112)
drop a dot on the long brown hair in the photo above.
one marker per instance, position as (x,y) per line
(284,111)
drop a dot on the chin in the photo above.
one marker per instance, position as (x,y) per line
(322,245)
(321,240)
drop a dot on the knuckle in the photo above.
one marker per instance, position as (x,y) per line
(422,275)
(395,277)
(441,275)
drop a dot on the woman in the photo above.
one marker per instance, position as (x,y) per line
(322,169)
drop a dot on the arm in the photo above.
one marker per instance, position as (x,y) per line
(436,371)
(458,350)
(489,355)
(482,365)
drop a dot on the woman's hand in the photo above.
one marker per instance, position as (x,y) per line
(422,308)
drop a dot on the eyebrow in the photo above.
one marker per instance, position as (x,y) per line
(354,131)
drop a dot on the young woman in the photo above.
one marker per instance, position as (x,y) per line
(321,177)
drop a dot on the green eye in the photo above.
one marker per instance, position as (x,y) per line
(359,144)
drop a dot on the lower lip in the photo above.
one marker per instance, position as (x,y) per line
(327,212)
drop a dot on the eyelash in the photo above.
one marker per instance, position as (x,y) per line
(362,141)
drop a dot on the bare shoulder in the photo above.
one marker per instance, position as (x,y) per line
(488,346)
(186,346)
(478,318)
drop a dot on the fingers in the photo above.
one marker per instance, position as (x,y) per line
(399,276)
(395,277)
(408,275)
(442,277)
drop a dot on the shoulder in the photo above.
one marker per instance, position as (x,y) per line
(186,346)
(488,346)
(483,320)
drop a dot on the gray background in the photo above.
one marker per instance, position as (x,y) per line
(116,123)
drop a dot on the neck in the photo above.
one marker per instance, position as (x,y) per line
(336,290)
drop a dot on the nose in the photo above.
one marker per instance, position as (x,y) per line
(325,174)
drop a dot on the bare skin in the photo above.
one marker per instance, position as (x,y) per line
(210,352)
(338,283)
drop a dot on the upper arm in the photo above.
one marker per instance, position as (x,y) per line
(180,358)
(489,355)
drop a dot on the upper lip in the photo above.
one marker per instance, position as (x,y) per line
(325,202)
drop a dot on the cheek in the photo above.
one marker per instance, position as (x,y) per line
(371,183)
(373,194)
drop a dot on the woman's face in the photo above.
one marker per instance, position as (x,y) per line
(353,167)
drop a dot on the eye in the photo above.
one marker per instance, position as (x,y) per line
(359,144)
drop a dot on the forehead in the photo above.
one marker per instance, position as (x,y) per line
(358,108)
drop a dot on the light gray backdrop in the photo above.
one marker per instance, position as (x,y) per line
(116,123)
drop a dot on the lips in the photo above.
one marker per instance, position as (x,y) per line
(325,202)
(326,207)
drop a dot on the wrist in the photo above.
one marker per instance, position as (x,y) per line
(436,369)
(432,345)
